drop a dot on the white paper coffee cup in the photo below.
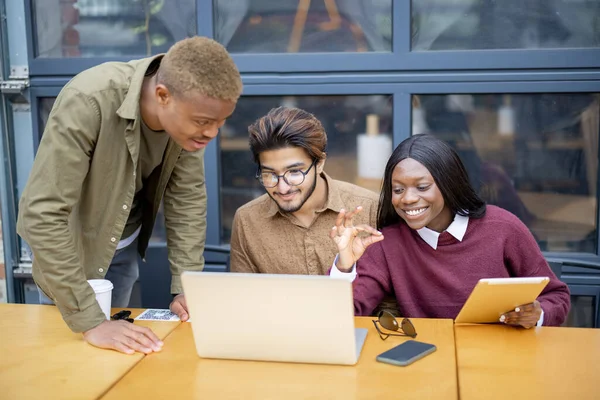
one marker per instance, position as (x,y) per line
(103,289)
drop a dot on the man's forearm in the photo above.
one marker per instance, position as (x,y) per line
(58,268)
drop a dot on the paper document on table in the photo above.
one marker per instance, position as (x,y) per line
(156,314)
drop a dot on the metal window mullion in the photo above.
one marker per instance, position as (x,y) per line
(205,18)
(401,27)
(401,104)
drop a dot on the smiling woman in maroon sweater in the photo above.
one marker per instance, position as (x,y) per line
(440,239)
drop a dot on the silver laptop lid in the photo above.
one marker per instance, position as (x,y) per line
(295,318)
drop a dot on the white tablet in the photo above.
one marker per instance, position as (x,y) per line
(495,296)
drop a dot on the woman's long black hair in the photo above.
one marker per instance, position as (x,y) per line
(447,170)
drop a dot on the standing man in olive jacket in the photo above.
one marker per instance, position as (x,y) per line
(121,137)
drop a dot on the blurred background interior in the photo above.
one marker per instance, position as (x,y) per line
(513,86)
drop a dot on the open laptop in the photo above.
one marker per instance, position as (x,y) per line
(290,318)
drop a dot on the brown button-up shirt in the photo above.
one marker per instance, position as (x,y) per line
(266,240)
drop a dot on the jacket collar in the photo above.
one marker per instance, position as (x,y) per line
(130,108)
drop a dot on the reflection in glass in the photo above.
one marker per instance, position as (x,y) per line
(45,106)
(348,121)
(582,313)
(105,28)
(301,26)
(506,24)
(535,155)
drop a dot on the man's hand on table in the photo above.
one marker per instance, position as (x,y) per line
(123,336)
(179,306)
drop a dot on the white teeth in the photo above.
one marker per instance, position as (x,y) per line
(415,212)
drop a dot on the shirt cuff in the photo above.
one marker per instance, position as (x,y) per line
(84,320)
(540,321)
(336,273)
(176,287)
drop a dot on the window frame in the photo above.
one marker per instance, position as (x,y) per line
(401,58)
(402,118)
(401,72)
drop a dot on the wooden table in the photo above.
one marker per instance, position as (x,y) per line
(500,362)
(178,372)
(41,358)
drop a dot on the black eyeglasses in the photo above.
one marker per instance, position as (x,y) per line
(292,177)
(123,314)
(389,322)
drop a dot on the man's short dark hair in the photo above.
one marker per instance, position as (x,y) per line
(288,127)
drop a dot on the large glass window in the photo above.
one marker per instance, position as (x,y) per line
(505,24)
(359,142)
(106,28)
(300,26)
(535,155)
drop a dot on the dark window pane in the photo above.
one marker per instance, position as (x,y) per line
(582,313)
(345,121)
(535,155)
(106,28)
(506,24)
(301,26)
(45,106)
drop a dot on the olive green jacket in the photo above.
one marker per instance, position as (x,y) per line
(81,187)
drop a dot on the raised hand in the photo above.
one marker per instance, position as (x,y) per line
(351,240)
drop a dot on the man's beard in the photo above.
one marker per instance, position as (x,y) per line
(293,209)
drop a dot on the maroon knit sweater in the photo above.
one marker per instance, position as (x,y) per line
(432,283)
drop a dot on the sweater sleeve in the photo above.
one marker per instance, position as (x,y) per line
(524,259)
(373,280)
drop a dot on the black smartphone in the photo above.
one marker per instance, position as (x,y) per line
(406,353)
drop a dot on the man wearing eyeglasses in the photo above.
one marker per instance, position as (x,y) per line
(286,230)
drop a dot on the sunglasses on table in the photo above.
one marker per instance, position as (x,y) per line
(123,314)
(389,322)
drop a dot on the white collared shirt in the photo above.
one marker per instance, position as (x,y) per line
(457,229)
